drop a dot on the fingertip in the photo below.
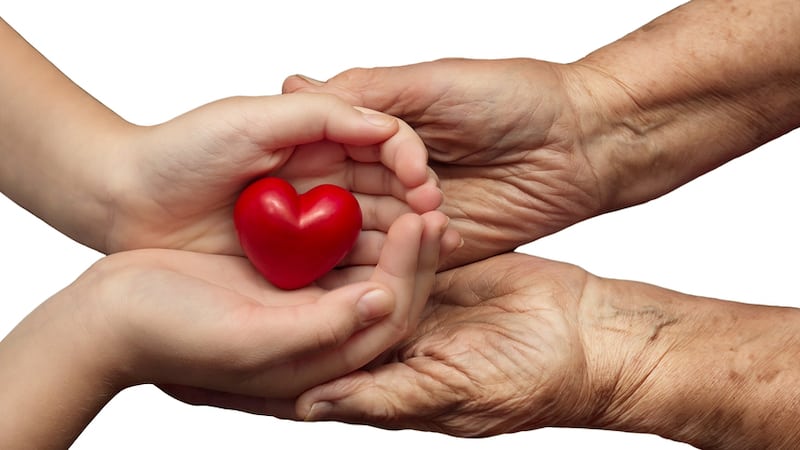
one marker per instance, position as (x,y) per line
(408,223)
(426,197)
(317,411)
(379,120)
(294,83)
(451,241)
(414,171)
(436,221)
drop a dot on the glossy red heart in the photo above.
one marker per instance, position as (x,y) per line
(295,239)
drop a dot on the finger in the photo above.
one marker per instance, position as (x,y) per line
(345,275)
(367,250)
(356,266)
(393,90)
(284,121)
(399,270)
(426,197)
(308,166)
(377,180)
(393,396)
(379,212)
(408,266)
(326,323)
(405,154)
(430,247)
(451,242)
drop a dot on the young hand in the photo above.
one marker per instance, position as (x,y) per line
(114,186)
(211,322)
(181,179)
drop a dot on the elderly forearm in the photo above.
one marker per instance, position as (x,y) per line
(55,141)
(712,373)
(691,90)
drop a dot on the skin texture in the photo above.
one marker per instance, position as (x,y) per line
(192,321)
(516,343)
(702,85)
(500,135)
(115,186)
(695,88)
(525,148)
(189,320)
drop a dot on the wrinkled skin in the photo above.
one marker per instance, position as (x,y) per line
(505,138)
(500,351)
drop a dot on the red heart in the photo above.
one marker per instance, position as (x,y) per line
(293,240)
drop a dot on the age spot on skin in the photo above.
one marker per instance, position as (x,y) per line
(768,376)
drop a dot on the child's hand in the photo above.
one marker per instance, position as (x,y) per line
(181,179)
(209,322)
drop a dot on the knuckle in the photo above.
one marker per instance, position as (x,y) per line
(330,336)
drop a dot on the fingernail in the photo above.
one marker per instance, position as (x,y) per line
(318,411)
(380,120)
(460,243)
(310,80)
(373,305)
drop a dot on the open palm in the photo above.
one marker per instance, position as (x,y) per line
(499,351)
(203,321)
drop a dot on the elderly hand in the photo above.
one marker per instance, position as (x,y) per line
(516,342)
(505,137)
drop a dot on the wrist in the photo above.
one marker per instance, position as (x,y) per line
(56,373)
(711,373)
(95,186)
(612,135)
(680,97)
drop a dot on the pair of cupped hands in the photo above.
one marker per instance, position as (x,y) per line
(428,323)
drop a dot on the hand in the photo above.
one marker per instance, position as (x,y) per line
(180,179)
(250,337)
(207,322)
(500,350)
(505,138)
(516,342)
(114,186)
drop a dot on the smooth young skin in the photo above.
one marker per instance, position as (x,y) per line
(205,323)
(516,342)
(525,148)
(115,186)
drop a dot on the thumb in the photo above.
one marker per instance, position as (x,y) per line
(392,396)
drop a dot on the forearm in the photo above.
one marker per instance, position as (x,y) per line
(52,385)
(55,141)
(693,89)
(712,373)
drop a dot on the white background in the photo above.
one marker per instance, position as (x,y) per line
(730,234)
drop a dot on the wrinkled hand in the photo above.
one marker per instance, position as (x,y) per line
(179,180)
(500,350)
(503,136)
